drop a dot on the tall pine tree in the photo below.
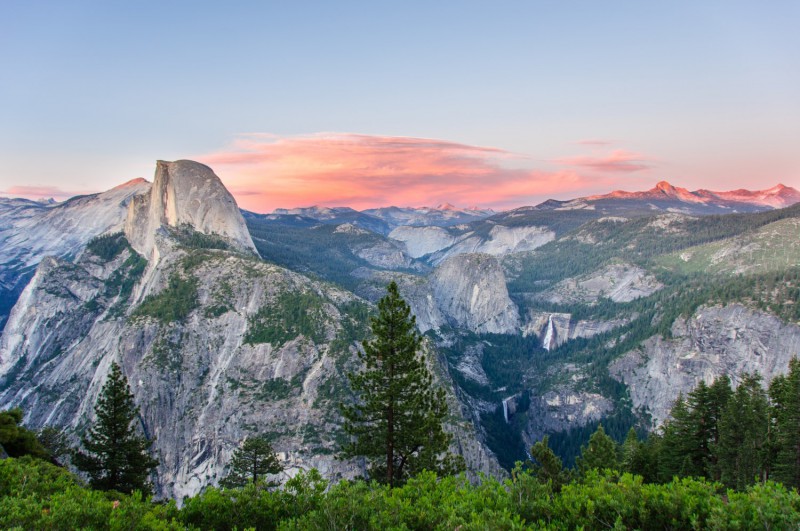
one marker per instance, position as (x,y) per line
(116,458)
(784,392)
(600,453)
(742,447)
(396,421)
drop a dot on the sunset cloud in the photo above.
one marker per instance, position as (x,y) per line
(618,161)
(38,192)
(265,172)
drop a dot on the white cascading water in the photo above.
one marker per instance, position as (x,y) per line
(505,408)
(548,336)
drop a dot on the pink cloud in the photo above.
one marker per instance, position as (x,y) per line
(618,161)
(265,172)
(38,192)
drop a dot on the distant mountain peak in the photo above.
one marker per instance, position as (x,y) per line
(446,206)
(131,184)
(779,196)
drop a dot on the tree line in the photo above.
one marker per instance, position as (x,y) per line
(736,437)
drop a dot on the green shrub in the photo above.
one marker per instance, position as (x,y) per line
(291,315)
(173,303)
(108,246)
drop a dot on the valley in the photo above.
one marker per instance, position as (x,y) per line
(543,320)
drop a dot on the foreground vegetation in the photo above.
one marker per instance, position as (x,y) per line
(37,495)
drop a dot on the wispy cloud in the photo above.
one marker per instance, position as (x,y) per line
(594,142)
(38,192)
(265,172)
(617,161)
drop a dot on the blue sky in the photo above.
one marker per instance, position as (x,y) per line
(707,94)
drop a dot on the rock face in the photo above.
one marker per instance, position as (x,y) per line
(470,290)
(563,328)
(500,241)
(202,385)
(30,230)
(562,409)
(618,282)
(467,291)
(441,243)
(420,241)
(714,341)
(185,193)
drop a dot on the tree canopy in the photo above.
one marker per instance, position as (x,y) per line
(251,462)
(396,420)
(116,457)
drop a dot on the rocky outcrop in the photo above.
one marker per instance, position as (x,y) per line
(185,193)
(714,341)
(562,409)
(619,282)
(470,290)
(467,291)
(563,328)
(420,241)
(31,230)
(384,255)
(499,241)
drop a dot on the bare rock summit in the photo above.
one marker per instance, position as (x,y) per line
(184,193)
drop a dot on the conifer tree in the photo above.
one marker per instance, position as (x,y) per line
(546,465)
(116,458)
(600,453)
(784,393)
(633,458)
(675,442)
(396,421)
(742,448)
(251,462)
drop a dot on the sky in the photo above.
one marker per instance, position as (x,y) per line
(365,104)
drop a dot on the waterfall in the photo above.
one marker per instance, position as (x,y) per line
(505,408)
(548,336)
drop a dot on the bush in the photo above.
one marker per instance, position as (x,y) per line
(173,303)
(107,247)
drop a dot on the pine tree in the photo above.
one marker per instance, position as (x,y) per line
(251,463)
(676,442)
(55,441)
(116,458)
(742,448)
(633,458)
(546,465)
(600,453)
(784,392)
(396,422)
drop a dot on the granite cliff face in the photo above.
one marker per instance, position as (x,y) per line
(714,341)
(619,282)
(439,244)
(30,230)
(470,290)
(185,193)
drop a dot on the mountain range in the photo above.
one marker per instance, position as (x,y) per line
(546,319)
